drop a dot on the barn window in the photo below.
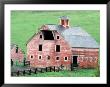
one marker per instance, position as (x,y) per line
(40,57)
(31,56)
(48,57)
(48,35)
(57,58)
(57,37)
(40,36)
(66,58)
(40,47)
(17,49)
(57,48)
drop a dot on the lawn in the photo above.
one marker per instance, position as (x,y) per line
(25,23)
(75,73)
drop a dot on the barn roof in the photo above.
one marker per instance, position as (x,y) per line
(75,36)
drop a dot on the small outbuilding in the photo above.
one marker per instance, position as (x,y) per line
(17,55)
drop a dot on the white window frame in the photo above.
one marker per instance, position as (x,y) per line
(38,57)
(67,58)
(56,37)
(39,36)
(32,55)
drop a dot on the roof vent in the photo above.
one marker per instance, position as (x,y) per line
(64,21)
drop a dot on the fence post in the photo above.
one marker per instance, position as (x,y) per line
(30,72)
(50,69)
(46,69)
(41,70)
(11,62)
(24,72)
(18,73)
(35,70)
(58,69)
(54,68)
(11,73)
(71,67)
(24,62)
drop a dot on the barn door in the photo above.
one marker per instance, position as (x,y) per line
(75,61)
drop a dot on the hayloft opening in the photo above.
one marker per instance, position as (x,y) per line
(48,35)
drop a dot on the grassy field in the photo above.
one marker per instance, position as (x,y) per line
(76,73)
(25,23)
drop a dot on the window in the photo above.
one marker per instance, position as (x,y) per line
(17,49)
(66,58)
(57,48)
(48,57)
(40,47)
(57,58)
(57,37)
(40,57)
(48,35)
(40,36)
(31,56)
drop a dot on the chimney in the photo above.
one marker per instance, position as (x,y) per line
(64,21)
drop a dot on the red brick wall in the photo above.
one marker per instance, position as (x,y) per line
(87,58)
(17,56)
(48,48)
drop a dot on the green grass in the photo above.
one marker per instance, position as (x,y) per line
(25,23)
(76,73)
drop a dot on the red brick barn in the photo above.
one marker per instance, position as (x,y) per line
(56,45)
(17,54)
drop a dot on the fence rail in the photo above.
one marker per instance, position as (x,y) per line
(22,71)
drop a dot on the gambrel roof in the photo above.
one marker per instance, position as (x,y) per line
(75,36)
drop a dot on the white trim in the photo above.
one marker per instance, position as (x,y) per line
(40,35)
(67,58)
(39,56)
(30,56)
(56,37)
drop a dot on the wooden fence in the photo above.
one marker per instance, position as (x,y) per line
(27,70)
(22,71)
